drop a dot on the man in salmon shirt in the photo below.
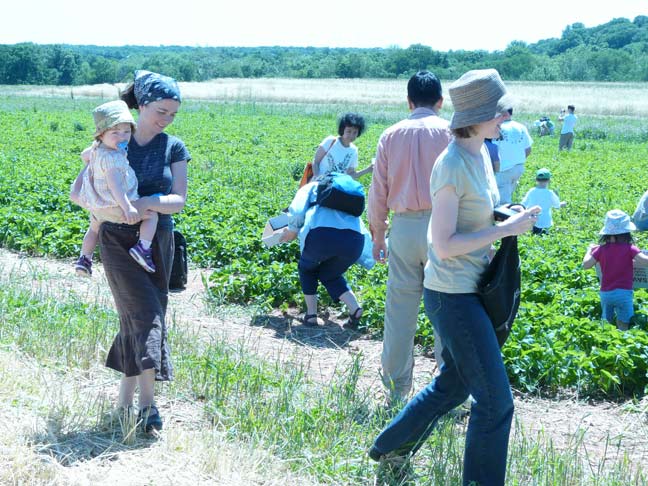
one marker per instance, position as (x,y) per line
(401,184)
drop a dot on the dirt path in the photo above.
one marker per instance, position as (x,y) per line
(608,429)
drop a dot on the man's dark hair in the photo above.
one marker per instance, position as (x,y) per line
(424,89)
(351,120)
(571,108)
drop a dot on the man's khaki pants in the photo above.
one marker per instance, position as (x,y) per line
(407,258)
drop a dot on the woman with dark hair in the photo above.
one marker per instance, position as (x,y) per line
(140,351)
(330,241)
(460,233)
(339,154)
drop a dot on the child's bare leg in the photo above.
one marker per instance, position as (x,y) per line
(91,238)
(83,266)
(622,326)
(148,226)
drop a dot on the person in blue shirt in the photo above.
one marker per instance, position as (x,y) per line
(567,131)
(330,241)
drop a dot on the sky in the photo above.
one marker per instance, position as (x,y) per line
(442,25)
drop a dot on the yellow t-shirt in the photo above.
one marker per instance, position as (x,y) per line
(474,182)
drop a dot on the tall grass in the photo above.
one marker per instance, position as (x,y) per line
(590,98)
(318,430)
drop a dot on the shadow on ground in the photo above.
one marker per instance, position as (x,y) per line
(288,326)
(105,441)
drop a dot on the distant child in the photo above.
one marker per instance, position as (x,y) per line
(107,186)
(616,256)
(544,197)
(567,131)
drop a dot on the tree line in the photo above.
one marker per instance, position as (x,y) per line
(614,51)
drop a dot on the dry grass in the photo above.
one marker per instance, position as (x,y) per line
(55,429)
(55,442)
(606,99)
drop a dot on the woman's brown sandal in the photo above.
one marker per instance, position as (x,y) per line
(310,320)
(150,419)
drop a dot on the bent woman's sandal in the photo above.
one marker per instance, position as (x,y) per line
(354,320)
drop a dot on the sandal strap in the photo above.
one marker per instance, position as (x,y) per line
(149,411)
(310,320)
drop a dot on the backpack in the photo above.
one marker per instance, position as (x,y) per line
(178,276)
(341,192)
(499,288)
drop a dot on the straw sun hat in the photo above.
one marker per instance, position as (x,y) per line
(478,96)
(111,114)
(617,223)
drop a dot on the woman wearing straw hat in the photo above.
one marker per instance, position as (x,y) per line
(461,231)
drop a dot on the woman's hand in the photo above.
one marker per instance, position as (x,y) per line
(131,214)
(142,204)
(521,222)
(287,235)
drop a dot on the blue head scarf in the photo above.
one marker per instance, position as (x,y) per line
(154,87)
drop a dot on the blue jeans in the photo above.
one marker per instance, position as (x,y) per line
(472,365)
(327,254)
(619,302)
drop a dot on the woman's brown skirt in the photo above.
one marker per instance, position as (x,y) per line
(141,300)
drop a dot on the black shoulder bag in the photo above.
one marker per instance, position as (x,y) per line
(499,288)
(179,270)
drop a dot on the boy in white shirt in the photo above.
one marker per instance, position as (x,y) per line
(544,197)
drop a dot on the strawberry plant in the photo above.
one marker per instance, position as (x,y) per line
(245,160)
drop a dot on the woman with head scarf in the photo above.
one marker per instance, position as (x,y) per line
(140,351)
(460,233)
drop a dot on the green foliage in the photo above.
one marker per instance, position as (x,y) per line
(245,159)
(614,51)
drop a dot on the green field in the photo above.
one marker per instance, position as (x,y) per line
(245,157)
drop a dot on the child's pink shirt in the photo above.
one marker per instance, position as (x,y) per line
(615,260)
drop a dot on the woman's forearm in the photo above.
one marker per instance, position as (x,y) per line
(319,155)
(170,204)
(464,243)
(357,174)
(175,201)
(448,242)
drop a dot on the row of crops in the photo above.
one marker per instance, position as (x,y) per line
(244,160)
